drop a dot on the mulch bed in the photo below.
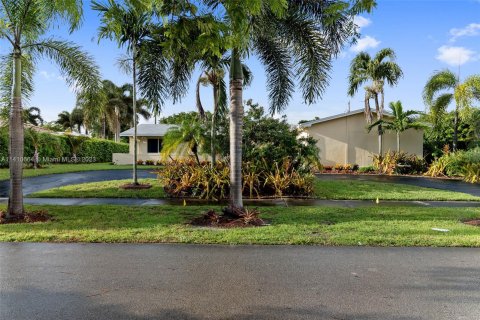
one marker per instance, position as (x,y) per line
(472,222)
(132,186)
(229,219)
(27,217)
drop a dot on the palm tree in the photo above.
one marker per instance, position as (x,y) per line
(375,70)
(23,25)
(400,122)
(129,25)
(77,118)
(213,74)
(443,88)
(294,40)
(189,136)
(32,115)
(64,120)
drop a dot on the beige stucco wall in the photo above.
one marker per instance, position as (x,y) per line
(345,140)
(127,158)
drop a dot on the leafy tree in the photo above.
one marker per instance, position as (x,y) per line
(375,70)
(400,122)
(295,40)
(23,25)
(444,88)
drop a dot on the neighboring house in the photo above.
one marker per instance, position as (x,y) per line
(343,138)
(149,143)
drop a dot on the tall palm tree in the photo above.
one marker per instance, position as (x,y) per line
(400,122)
(77,118)
(443,88)
(213,75)
(376,71)
(129,24)
(295,40)
(23,26)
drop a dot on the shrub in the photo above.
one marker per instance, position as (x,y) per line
(399,163)
(368,169)
(471,173)
(140,162)
(149,162)
(459,163)
(186,178)
(101,149)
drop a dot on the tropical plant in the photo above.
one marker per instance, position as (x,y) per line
(377,71)
(186,137)
(129,24)
(75,143)
(23,26)
(64,120)
(293,39)
(442,89)
(213,74)
(77,119)
(32,115)
(400,122)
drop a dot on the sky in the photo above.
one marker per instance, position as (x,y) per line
(426,35)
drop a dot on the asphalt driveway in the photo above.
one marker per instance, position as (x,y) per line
(34,184)
(132,281)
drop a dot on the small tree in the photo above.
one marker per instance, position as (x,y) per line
(401,121)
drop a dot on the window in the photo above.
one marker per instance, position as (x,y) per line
(154,145)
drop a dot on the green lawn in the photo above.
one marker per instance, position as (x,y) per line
(377,226)
(103,189)
(371,190)
(64,168)
(351,190)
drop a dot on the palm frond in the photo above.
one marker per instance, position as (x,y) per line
(439,81)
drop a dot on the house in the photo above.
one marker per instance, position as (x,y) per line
(149,143)
(343,138)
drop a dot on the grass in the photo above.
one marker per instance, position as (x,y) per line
(64,168)
(371,190)
(377,226)
(103,189)
(340,190)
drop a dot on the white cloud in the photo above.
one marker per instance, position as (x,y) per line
(361,22)
(473,29)
(47,75)
(455,56)
(364,44)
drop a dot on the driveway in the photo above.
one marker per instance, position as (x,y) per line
(443,184)
(133,281)
(34,184)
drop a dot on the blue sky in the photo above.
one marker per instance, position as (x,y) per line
(426,35)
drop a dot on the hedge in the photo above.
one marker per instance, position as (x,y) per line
(58,148)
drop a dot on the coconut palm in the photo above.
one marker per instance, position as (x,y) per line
(295,40)
(400,121)
(444,88)
(23,25)
(375,71)
(130,25)
(213,75)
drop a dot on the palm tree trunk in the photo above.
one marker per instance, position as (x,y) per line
(104,126)
(15,200)
(380,130)
(117,124)
(134,97)
(398,141)
(455,130)
(236,124)
(212,132)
